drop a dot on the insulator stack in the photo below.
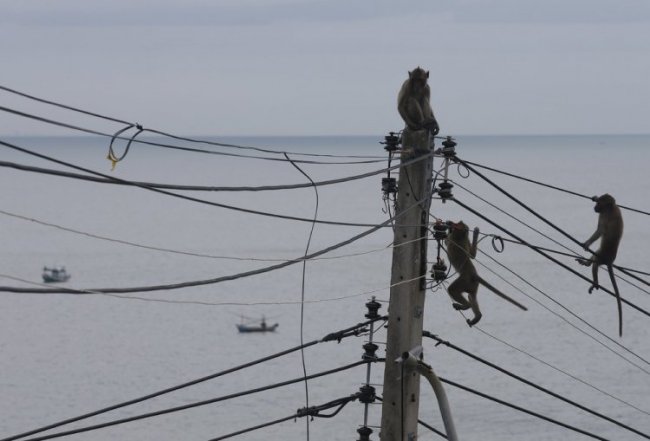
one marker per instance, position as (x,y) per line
(449,147)
(439,271)
(444,190)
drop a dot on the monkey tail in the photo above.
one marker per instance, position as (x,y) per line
(500,294)
(618,300)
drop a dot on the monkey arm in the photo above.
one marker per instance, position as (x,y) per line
(473,247)
(594,237)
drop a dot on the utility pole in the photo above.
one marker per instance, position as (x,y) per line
(401,395)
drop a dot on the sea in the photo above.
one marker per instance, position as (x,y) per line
(65,355)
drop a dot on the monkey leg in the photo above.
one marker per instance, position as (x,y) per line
(475,309)
(610,270)
(594,274)
(455,291)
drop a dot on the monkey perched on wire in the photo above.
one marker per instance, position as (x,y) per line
(461,253)
(413,102)
(610,231)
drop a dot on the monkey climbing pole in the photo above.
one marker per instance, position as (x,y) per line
(406,306)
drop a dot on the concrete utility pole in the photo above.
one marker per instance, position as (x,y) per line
(406,308)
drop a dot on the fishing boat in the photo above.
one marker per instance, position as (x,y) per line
(261,327)
(55,274)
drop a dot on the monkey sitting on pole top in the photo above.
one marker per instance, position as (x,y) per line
(413,102)
(610,231)
(460,253)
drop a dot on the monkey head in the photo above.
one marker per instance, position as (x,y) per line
(418,78)
(604,203)
(458,230)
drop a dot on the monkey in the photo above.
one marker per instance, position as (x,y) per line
(460,253)
(413,102)
(610,231)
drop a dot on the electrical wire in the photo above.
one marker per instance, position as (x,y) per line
(567,310)
(512,175)
(70,175)
(520,203)
(207,281)
(302,286)
(338,335)
(309,411)
(192,405)
(534,385)
(171,146)
(177,195)
(120,121)
(574,254)
(573,377)
(522,409)
(624,270)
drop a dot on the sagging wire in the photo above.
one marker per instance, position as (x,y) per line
(176,195)
(177,147)
(532,384)
(206,281)
(53,172)
(304,271)
(120,121)
(356,330)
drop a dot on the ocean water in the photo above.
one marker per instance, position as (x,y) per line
(65,355)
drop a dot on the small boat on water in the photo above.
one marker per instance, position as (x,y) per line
(261,327)
(55,274)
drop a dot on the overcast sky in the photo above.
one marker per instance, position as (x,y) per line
(318,67)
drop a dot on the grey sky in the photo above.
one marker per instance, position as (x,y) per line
(255,67)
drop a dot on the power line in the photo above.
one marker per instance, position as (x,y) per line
(120,121)
(533,385)
(336,336)
(512,175)
(539,360)
(78,176)
(627,271)
(522,409)
(305,411)
(174,251)
(176,195)
(193,405)
(302,284)
(207,281)
(570,312)
(171,146)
